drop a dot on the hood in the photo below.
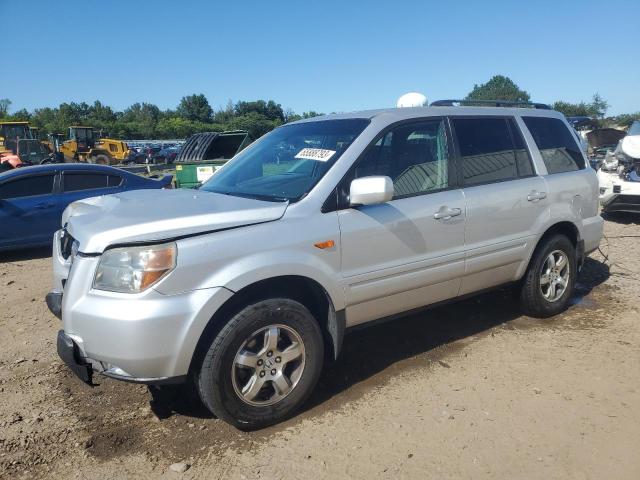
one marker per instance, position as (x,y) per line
(156,215)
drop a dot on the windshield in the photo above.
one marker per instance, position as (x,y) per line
(286,163)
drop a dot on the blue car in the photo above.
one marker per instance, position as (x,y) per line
(32,199)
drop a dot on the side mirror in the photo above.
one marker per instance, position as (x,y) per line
(370,190)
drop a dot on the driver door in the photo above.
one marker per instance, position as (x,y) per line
(405,253)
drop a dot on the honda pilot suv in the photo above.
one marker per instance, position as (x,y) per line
(247,285)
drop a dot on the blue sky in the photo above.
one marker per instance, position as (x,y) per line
(324,55)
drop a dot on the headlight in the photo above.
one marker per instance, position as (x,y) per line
(134,269)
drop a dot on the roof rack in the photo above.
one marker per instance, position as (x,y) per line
(489,103)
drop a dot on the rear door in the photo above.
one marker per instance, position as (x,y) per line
(28,210)
(505,199)
(407,252)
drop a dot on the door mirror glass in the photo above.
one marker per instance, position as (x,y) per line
(370,190)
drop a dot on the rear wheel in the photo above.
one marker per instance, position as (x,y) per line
(263,364)
(550,279)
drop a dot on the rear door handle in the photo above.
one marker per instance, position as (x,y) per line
(445,213)
(534,196)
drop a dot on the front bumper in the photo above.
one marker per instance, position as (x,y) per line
(69,352)
(148,337)
(54,302)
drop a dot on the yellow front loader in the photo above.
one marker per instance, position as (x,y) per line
(84,145)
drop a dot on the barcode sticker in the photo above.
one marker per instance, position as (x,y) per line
(319,154)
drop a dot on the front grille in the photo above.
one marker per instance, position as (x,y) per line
(66,244)
(616,189)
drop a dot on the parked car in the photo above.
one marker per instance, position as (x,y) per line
(246,285)
(134,157)
(166,155)
(619,174)
(32,199)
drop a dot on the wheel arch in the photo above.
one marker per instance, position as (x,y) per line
(295,287)
(566,228)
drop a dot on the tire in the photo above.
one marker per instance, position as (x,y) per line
(222,381)
(536,297)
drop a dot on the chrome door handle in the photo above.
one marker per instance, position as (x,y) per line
(445,213)
(534,196)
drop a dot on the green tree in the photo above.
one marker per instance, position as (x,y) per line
(625,119)
(22,115)
(270,110)
(5,103)
(195,108)
(498,87)
(597,108)
(254,123)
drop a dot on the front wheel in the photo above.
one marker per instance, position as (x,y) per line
(263,364)
(550,279)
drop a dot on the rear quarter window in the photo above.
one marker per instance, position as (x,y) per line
(558,147)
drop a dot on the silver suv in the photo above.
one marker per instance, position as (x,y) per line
(246,285)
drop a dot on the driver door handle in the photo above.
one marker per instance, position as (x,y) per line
(445,213)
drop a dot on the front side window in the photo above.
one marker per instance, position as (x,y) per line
(84,181)
(285,164)
(415,156)
(27,187)
(558,147)
(487,150)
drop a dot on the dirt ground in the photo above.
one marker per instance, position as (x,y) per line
(470,390)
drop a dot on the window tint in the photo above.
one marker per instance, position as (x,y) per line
(27,187)
(114,180)
(414,156)
(486,148)
(84,181)
(557,146)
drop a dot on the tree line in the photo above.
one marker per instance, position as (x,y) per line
(145,120)
(194,114)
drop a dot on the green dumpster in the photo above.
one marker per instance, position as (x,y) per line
(203,153)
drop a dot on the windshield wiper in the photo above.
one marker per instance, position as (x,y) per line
(254,196)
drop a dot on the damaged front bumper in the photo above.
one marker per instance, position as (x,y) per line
(69,352)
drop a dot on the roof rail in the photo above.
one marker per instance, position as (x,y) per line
(489,103)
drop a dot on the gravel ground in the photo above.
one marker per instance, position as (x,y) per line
(470,390)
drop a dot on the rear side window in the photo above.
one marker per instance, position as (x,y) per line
(487,150)
(84,181)
(27,187)
(559,149)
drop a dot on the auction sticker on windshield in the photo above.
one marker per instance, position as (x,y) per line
(319,154)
